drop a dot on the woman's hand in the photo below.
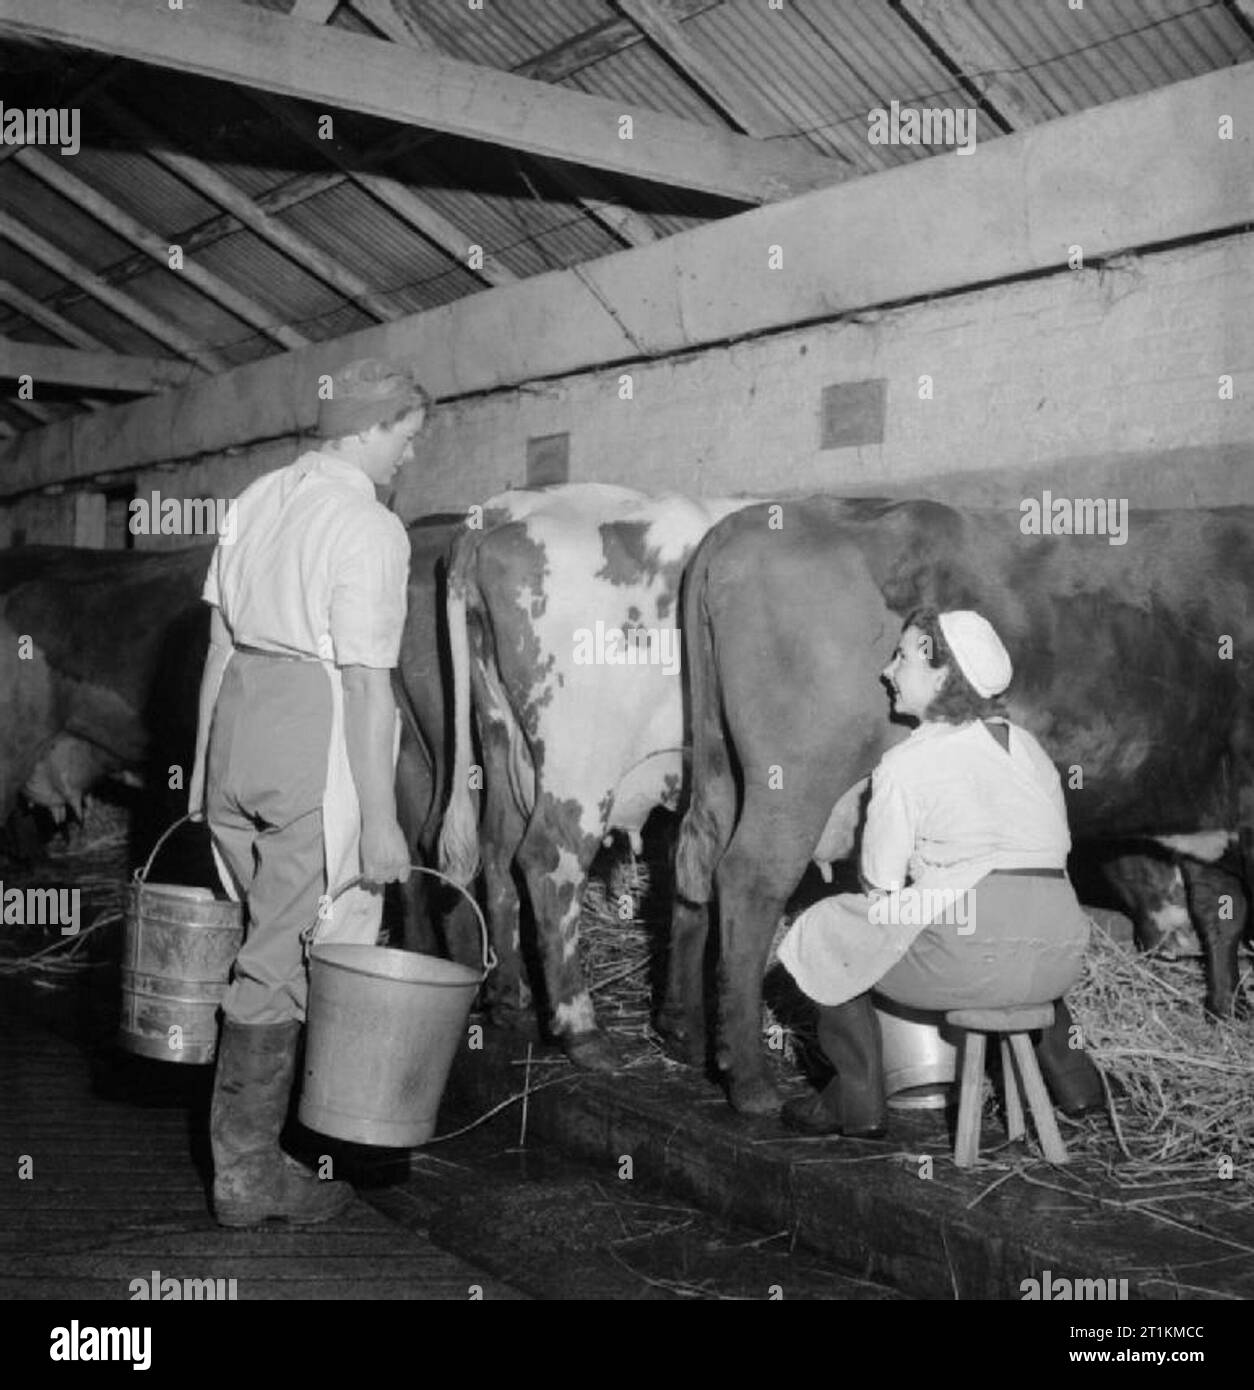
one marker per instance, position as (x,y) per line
(384,853)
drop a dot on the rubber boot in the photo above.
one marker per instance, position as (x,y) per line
(253,1179)
(1074,1082)
(853,1104)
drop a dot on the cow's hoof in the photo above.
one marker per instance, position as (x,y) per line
(692,1052)
(1231,1010)
(683,1043)
(754,1096)
(594,1051)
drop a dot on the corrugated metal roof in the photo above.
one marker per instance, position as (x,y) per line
(1114,48)
(814,69)
(505,33)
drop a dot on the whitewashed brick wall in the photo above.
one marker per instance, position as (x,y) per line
(1098,382)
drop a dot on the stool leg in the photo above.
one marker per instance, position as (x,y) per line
(1038,1099)
(1015,1127)
(970,1101)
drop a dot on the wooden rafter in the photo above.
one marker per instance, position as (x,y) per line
(47,317)
(157,248)
(230,196)
(315,11)
(257,48)
(395,22)
(1131,174)
(119,301)
(101,371)
(601,41)
(402,27)
(395,196)
(734,98)
(37,412)
(597,201)
(983,60)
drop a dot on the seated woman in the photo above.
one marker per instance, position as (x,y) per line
(967,902)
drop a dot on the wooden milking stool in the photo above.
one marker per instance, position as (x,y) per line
(1013,1025)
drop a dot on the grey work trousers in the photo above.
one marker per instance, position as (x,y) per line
(265,777)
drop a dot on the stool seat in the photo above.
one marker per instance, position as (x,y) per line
(1013,1024)
(1021,1019)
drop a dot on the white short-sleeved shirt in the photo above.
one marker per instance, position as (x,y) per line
(318,566)
(950,805)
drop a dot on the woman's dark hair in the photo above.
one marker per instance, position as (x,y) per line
(957,701)
(421,401)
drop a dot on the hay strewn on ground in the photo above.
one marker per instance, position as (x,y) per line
(1189,1081)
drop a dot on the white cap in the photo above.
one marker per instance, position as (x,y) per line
(978,651)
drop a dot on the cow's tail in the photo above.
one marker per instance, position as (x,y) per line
(710,819)
(459,834)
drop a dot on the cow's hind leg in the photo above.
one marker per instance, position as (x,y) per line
(681,1019)
(762,866)
(414,793)
(506,994)
(555,857)
(703,836)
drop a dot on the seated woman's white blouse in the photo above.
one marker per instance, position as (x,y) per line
(950,805)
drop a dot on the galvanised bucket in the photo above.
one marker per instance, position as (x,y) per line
(919,1062)
(382,1028)
(178,946)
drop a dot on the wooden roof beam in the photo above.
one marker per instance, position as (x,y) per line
(48,319)
(601,41)
(120,302)
(597,201)
(395,196)
(401,27)
(39,312)
(54,173)
(230,196)
(983,60)
(35,410)
(395,22)
(1131,174)
(100,371)
(315,11)
(257,48)
(735,99)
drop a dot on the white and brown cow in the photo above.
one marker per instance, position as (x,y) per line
(563,613)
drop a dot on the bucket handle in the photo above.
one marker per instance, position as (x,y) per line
(141,875)
(489,955)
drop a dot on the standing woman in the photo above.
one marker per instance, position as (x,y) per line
(295,757)
(967,902)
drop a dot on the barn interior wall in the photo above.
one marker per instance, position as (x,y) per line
(1102,382)
(1094,380)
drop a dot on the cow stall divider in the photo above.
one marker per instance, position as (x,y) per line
(382,1029)
(178,945)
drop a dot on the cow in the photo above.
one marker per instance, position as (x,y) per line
(100,660)
(563,609)
(100,657)
(1134,668)
(1146,882)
